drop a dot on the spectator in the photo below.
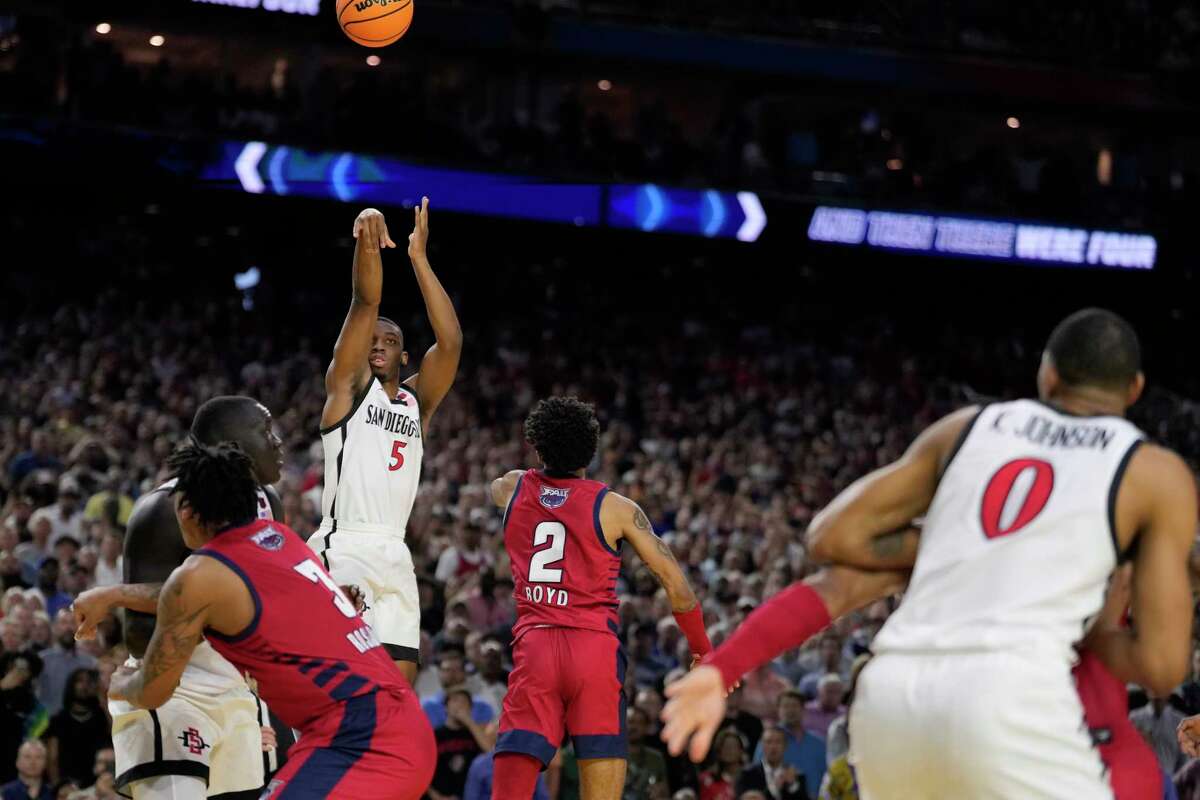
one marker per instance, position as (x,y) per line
(64,789)
(1186,699)
(719,781)
(492,676)
(840,782)
(452,672)
(772,775)
(479,780)
(1157,721)
(804,752)
(825,660)
(60,661)
(837,741)
(110,565)
(12,635)
(465,557)
(40,632)
(750,726)
(30,783)
(33,553)
(490,606)
(66,515)
(645,766)
(820,712)
(48,589)
(79,731)
(21,715)
(459,741)
(38,456)
(649,666)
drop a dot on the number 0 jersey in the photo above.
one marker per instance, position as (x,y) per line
(1019,541)
(563,569)
(373,463)
(307,646)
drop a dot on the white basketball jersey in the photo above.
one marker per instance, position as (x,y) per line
(373,463)
(1018,544)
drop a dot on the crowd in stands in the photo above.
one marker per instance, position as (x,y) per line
(546,116)
(729,433)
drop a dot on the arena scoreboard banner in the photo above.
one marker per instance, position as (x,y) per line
(261,168)
(971,237)
(307,7)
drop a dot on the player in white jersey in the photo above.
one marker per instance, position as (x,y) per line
(372,429)
(207,740)
(1027,509)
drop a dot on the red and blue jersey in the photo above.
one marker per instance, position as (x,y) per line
(564,570)
(307,646)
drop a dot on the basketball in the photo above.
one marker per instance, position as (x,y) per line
(374,23)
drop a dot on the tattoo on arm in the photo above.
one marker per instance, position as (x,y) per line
(133,592)
(889,545)
(174,640)
(640,520)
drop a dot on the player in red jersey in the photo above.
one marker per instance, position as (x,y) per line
(563,534)
(261,597)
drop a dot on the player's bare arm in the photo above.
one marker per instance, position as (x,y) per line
(348,371)
(93,605)
(153,548)
(1157,504)
(182,614)
(621,518)
(870,524)
(436,375)
(504,486)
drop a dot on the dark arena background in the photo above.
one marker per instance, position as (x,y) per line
(770,241)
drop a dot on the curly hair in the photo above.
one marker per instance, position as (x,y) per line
(216,481)
(565,433)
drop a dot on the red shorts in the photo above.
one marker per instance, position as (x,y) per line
(381,748)
(1133,769)
(565,681)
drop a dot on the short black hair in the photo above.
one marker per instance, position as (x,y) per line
(565,432)
(219,419)
(393,322)
(216,481)
(1095,347)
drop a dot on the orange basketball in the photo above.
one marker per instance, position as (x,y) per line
(374,23)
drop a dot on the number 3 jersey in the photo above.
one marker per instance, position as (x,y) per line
(307,646)
(1019,541)
(373,463)
(563,569)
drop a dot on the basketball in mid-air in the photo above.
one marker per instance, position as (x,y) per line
(374,23)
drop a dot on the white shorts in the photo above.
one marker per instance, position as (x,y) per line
(984,726)
(381,566)
(209,729)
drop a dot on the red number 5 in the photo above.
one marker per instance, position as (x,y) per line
(999,490)
(397,446)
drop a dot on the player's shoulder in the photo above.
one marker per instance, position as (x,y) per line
(1160,468)
(153,514)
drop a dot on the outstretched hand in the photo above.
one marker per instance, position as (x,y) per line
(357,596)
(695,707)
(420,235)
(371,230)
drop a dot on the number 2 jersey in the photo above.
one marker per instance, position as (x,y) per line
(307,646)
(564,572)
(373,463)
(1019,541)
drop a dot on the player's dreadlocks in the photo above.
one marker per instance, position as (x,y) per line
(565,432)
(216,481)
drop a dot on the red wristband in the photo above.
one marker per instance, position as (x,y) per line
(692,625)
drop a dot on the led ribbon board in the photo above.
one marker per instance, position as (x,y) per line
(1000,240)
(260,168)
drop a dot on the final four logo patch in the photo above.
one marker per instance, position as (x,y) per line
(268,539)
(553,498)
